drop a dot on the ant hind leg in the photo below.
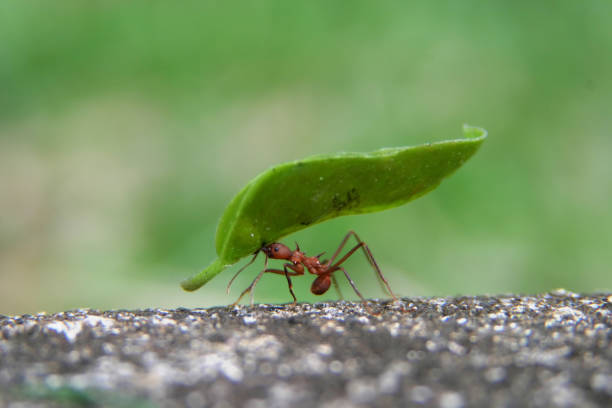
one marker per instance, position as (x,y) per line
(336,286)
(363,300)
(381,277)
(368,254)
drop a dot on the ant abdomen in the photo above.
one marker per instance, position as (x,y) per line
(321,284)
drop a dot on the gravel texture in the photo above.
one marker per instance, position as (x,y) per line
(551,350)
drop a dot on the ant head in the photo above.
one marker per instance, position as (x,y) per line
(277,251)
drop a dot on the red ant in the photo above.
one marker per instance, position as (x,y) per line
(323,269)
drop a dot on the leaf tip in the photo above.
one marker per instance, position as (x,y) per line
(474,132)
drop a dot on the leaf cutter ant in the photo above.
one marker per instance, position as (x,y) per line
(299,262)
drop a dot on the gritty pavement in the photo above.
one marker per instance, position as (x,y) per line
(551,350)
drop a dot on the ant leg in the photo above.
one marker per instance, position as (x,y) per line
(287,274)
(369,256)
(290,285)
(365,302)
(340,247)
(249,289)
(252,285)
(229,285)
(336,286)
(381,277)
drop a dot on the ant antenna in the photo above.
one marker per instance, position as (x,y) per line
(229,285)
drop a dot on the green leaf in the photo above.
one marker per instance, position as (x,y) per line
(292,196)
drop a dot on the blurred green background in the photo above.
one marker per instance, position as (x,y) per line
(126,128)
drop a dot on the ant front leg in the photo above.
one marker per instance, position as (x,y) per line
(252,285)
(229,285)
(367,253)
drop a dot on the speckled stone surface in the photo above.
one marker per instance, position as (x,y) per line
(551,350)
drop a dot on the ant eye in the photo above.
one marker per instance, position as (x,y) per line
(275,249)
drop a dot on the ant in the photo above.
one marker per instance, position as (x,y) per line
(298,262)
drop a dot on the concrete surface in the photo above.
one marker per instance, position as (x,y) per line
(551,350)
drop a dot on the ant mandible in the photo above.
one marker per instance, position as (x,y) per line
(298,261)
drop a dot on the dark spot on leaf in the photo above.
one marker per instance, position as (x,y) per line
(305,219)
(337,202)
(350,199)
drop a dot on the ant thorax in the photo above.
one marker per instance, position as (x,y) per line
(313,265)
(297,257)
